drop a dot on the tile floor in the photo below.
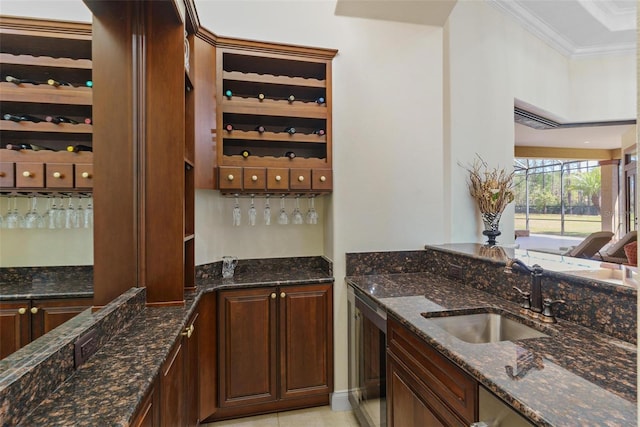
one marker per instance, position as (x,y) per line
(312,417)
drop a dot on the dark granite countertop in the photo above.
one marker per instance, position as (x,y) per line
(17,283)
(108,389)
(574,377)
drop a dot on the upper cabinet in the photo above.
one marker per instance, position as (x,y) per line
(46,103)
(273,118)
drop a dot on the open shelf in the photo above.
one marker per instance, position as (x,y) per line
(44,127)
(44,93)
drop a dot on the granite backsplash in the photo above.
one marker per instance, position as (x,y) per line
(602,307)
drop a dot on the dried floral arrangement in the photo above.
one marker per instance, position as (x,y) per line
(492,188)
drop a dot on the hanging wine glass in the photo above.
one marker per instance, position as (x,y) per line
(60,213)
(283,218)
(236,212)
(32,219)
(49,217)
(312,215)
(267,211)
(69,214)
(253,213)
(88,214)
(13,218)
(296,215)
(79,217)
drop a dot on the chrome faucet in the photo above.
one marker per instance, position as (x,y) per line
(532,302)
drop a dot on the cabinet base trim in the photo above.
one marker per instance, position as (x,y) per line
(269,407)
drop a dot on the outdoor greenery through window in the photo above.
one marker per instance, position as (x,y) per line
(557,197)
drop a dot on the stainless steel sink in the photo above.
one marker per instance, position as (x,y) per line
(485,327)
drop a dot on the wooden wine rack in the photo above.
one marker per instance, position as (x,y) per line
(39,50)
(247,69)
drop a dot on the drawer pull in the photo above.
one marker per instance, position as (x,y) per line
(323,178)
(22,310)
(278,178)
(34,310)
(282,295)
(273,295)
(254,178)
(230,177)
(27,174)
(86,175)
(57,175)
(301,178)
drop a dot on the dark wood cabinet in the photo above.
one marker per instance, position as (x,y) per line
(207,356)
(423,387)
(25,320)
(275,348)
(15,326)
(172,388)
(191,370)
(148,415)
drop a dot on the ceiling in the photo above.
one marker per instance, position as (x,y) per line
(599,137)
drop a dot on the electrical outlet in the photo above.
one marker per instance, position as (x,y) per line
(455,271)
(85,346)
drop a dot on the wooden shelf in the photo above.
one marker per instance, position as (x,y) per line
(270,107)
(46,156)
(46,94)
(46,127)
(269,79)
(271,161)
(274,136)
(45,61)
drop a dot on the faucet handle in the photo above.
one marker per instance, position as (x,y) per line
(547,310)
(526,298)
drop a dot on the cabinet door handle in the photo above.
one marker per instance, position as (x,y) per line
(273,295)
(57,175)
(34,310)
(86,175)
(188,331)
(22,310)
(282,295)
(230,177)
(27,174)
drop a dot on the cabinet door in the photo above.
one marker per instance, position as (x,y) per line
(59,175)
(247,346)
(148,415)
(49,314)
(15,326)
(6,174)
(84,175)
(230,178)
(172,398)
(207,357)
(191,370)
(306,338)
(29,175)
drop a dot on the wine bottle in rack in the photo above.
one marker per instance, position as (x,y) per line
(22,118)
(56,83)
(245,153)
(228,127)
(79,147)
(88,121)
(260,129)
(261,96)
(320,100)
(228,93)
(16,81)
(319,132)
(290,154)
(18,147)
(60,119)
(290,130)
(88,83)
(291,98)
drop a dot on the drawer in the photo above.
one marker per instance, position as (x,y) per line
(321,179)
(84,175)
(300,179)
(447,381)
(7,174)
(59,175)
(254,179)
(29,175)
(230,178)
(278,179)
